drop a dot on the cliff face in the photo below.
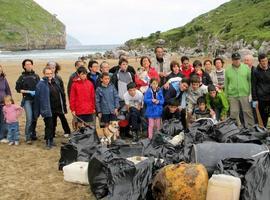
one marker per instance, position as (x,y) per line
(24,25)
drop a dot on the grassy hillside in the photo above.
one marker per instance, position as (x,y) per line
(26,25)
(234,20)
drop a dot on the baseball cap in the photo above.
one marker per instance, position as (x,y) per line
(236,56)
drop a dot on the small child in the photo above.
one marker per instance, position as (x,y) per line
(107,100)
(11,113)
(154,100)
(217,101)
(134,102)
(202,111)
(171,111)
(82,98)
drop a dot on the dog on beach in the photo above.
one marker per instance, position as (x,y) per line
(108,134)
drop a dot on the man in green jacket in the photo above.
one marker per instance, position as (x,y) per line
(237,89)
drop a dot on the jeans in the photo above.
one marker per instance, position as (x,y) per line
(30,124)
(2,124)
(13,132)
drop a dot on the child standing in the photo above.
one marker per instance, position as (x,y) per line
(82,98)
(11,114)
(154,101)
(107,100)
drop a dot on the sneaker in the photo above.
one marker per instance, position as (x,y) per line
(66,135)
(5,141)
(16,143)
(10,143)
(29,142)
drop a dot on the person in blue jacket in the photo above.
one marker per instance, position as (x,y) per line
(154,100)
(43,107)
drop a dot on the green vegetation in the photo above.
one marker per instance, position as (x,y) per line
(26,25)
(232,21)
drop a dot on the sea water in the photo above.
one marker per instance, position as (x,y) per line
(72,52)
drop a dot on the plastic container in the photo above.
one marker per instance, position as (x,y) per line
(76,172)
(224,187)
(210,153)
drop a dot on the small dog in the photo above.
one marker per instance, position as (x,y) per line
(108,134)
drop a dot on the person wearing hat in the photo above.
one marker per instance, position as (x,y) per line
(217,101)
(237,89)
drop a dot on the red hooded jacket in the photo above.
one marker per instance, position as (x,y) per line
(82,97)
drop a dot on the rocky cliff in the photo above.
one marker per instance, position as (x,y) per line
(24,25)
(235,25)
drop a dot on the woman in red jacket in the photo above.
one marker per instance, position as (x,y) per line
(82,97)
(146,73)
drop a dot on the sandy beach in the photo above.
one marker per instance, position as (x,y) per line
(30,171)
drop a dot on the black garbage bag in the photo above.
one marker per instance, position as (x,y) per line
(172,127)
(210,153)
(225,130)
(255,135)
(159,147)
(200,131)
(81,146)
(68,155)
(113,177)
(236,167)
(257,180)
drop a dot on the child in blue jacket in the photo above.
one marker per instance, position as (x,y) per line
(154,100)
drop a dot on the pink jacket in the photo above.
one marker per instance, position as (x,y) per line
(12,113)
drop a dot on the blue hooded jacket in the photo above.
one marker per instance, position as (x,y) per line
(153,110)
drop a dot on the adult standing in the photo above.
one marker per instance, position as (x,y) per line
(26,85)
(261,88)
(48,104)
(4,91)
(237,89)
(147,72)
(55,67)
(161,64)
(218,75)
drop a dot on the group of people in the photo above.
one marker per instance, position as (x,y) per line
(158,90)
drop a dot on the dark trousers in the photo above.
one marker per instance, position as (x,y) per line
(183,118)
(134,119)
(48,128)
(63,122)
(264,108)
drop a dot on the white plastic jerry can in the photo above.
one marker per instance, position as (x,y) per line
(223,187)
(76,173)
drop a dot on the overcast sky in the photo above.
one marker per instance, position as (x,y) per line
(116,21)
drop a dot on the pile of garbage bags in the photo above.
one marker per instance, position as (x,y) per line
(125,171)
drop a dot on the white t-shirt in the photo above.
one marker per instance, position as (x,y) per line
(133,101)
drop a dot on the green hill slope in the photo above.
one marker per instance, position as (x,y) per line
(25,25)
(238,19)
